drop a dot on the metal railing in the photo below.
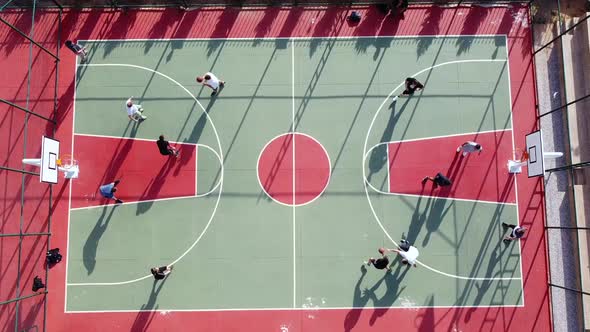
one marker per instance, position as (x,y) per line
(13,107)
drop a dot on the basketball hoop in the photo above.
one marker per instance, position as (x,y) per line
(520,155)
(67,161)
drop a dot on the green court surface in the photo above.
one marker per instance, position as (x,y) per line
(242,250)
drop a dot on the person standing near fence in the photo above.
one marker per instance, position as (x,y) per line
(77,49)
(516,233)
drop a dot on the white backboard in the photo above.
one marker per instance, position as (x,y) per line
(49,156)
(534,146)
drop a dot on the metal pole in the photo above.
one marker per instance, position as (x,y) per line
(27,37)
(26,110)
(17,299)
(562,33)
(570,289)
(18,170)
(24,234)
(571,166)
(5,5)
(563,106)
(568,227)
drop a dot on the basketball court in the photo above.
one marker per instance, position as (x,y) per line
(297,172)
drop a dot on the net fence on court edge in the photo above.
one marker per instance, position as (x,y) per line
(28,95)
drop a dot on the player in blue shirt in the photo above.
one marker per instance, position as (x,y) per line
(108,191)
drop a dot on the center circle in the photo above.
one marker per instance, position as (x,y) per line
(294,169)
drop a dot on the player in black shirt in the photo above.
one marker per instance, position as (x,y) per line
(165,148)
(161,272)
(412,85)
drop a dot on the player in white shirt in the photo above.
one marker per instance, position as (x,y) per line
(410,256)
(134,112)
(469,147)
(212,81)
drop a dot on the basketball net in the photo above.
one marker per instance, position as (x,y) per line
(520,155)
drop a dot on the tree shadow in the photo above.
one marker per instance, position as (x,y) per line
(160,27)
(224,24)
(91,245)
(470,26)
(124,22)
(430,26)
(148,311)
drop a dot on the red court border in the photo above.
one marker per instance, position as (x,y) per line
(329,22)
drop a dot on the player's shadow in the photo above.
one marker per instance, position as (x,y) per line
(419,217)
(484,285)
(436,213)
(392,282)
(359,301)
(378,157)
(201,123)
(381,304)
(89,249)
(148,311)
(151,191)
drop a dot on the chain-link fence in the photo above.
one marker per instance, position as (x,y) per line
(205,3)
(28,106)
(562,62)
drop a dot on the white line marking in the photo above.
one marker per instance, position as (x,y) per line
(415,195)
(134,138)
(70,185)
(437,197)
(197,171)
(310,137)
(162,199)
(295,309)
(294,137)
(515,177)
(220,156)
(365,175)
(295,38)
(445,136)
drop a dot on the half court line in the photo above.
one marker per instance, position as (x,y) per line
(293,179)
(366,184)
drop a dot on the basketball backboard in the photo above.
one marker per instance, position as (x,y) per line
(49,156)
(534,148)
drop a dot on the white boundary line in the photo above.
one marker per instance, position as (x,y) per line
(293,180)
(220,180)
(197,171)
(70,189)
(295,309)
(290,309)
(515,176)
(296,38)
(365,175)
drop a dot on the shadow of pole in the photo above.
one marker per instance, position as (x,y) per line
(91,245)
